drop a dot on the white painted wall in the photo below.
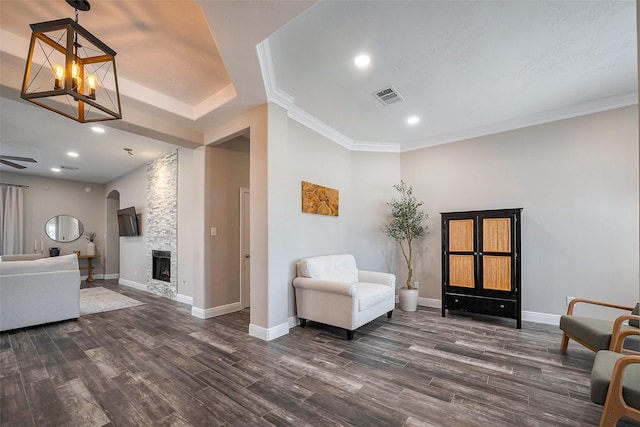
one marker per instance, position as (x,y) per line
(48,197)
(112,240)
(278,213)
(373,176)
(577,180)
(256,122)
(228,166)
(133,250)
(185,222)
(316,159)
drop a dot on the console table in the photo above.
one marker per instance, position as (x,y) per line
(89,266)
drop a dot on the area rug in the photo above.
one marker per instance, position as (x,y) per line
(98,300)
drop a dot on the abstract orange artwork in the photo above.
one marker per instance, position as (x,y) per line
(317,199)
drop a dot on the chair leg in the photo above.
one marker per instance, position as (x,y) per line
(613,410)
(349,335)
(565,342)
(303,322)
(389,313)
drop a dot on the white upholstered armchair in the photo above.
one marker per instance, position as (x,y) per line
(331,290)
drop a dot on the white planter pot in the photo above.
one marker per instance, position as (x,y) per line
(408,299)
(91,248)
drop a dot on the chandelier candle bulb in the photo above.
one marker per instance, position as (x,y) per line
(91,82)
(59,72)
(74,76)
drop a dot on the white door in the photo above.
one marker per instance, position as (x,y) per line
(245,255)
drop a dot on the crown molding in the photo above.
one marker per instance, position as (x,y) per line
(286,101)
(378,147)
(274,94)
(306,119)
(589,107)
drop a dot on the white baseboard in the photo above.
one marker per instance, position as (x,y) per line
(529,316)
(111,276)
(184,299)
(293,321)
(430,302)
(206,313)
(95,276)
(269,334)
(131,284)
(425,302)
(200,313)
(546,318)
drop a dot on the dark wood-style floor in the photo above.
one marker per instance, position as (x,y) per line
(155,364)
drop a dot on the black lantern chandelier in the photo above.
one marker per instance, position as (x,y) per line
(70,71)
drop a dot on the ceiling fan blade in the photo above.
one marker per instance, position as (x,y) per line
(14,165)
(19,159)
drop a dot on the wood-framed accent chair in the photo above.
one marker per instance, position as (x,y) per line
(593,333)
(615,377)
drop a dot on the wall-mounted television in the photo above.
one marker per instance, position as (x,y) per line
(128,222)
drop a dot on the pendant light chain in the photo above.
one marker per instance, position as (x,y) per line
(75,46)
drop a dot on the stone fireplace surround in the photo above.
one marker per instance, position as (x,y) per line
(162,221)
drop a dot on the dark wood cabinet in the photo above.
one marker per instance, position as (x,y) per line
(481,262)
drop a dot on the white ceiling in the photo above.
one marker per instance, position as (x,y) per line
(467,68)
(463,67)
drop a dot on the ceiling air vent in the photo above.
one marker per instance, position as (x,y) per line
(70,168)
(387,96)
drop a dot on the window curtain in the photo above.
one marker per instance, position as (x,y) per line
(12,220)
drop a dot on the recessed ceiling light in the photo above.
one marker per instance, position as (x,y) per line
(72,154)
(55,170)
(97,129)
(413,120)
(362,61)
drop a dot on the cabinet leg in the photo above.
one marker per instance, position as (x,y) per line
(303,322)
(349,335)
(389,313)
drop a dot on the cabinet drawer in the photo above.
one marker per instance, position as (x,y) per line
(495,306)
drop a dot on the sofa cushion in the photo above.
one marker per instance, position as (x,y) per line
(595,332)
(601,376)
(370,294)
(20,257)
(339,268)
(44,265)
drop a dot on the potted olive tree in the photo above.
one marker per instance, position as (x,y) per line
(405,226)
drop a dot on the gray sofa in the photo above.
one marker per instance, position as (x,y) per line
(39,291)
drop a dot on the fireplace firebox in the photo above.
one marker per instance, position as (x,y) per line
(161,265)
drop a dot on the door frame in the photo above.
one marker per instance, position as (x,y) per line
(244,251)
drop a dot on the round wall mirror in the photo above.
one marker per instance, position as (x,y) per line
(64,228)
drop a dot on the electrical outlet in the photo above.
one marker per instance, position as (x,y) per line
(569,299)
(214,231)
(416,284)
